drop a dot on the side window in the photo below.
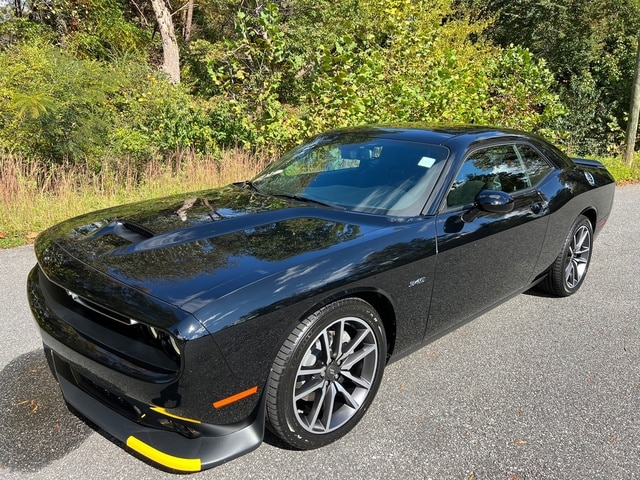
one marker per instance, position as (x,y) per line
(493,168)
(537,167)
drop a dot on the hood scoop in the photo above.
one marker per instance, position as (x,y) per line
(125,230)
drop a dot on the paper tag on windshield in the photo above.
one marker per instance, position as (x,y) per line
(427,162)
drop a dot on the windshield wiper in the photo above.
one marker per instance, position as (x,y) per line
(248,184)
(306,200)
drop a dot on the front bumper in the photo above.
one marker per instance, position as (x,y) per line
(188,418)
(172,450)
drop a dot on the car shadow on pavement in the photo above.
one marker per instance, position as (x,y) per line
(36,424)
(539,292)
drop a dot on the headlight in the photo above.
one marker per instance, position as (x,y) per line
(174,344)
(164,341)
(154,332)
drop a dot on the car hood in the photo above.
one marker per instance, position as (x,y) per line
(188,250)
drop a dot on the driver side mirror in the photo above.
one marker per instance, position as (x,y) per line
(491,201)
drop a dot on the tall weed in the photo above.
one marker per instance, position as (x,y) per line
(36,196)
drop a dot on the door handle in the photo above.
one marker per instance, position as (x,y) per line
(538,207)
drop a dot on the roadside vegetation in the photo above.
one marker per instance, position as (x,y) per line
(89,118)
(35,197)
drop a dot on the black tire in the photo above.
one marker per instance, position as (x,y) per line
(570,268)
(326,374)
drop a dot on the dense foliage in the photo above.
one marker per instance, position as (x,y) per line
(589,45)
(79,80)
(57,106)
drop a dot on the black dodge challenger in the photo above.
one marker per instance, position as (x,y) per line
(183,326)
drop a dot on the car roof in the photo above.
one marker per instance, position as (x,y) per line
(434,134)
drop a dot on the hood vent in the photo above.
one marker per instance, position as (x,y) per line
(132,228)
(128,231)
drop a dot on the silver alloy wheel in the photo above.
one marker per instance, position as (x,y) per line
(579,253)
(335,376)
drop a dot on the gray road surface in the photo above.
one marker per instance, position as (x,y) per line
(539,388)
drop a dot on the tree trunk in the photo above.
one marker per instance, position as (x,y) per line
(18,8)
(188,22)
(634,109)
(170,51)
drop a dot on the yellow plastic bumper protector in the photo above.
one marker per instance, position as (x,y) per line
(177,463)
(234,398)
(164,412)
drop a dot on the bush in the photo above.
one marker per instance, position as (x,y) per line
(59,108)
(622,172)
(396,62)
(52,103)
(266,88)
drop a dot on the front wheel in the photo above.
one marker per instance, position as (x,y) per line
(326,374)
(570,268)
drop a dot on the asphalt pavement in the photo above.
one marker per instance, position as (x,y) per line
(539,388)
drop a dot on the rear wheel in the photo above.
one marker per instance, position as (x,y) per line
(326,374)
(570,268)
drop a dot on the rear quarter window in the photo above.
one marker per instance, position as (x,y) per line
(535,165)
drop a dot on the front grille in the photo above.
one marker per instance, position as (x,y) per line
(109,338)
(100,309)
(140,413)
(115,402)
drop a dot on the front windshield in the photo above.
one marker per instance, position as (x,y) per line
(359,172)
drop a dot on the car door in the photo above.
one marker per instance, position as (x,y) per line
(485,257)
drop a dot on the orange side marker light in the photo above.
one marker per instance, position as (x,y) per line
(234,398)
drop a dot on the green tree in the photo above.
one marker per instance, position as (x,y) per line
(429,69)
(282,76)
(590,47)
(258,74)
(96,29)
(51,103)
(57,107)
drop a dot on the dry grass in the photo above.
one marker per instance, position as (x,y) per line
(34,197)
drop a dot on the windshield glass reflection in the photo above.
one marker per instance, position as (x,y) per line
(358,172)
